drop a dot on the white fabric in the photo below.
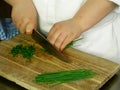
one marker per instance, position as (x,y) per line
(118,3)
(102,40)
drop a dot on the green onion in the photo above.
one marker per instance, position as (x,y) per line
(72,43)
(68,46)
(64,76)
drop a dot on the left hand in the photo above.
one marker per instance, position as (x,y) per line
(62,33)
(24,16)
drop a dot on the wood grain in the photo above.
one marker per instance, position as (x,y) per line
(22,72)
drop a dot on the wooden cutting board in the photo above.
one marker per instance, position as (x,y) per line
(22,72)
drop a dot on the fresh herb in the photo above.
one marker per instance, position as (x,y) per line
(68,46)
(16,50)
(72,43)
(64,76)
(26,51)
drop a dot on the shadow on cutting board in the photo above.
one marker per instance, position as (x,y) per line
(8,85)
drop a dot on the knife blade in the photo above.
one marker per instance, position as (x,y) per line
(41,39)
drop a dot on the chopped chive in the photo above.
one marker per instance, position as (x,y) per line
(72,43)
(26,51)
(64,76)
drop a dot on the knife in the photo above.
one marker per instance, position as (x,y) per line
(41,39)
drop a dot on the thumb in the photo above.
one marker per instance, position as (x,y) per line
(29,28)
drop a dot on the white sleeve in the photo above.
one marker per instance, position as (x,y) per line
(118,3)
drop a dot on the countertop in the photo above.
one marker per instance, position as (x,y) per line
(113,83)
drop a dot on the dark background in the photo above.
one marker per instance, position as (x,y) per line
(5,9)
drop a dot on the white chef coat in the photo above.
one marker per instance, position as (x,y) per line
(102,40)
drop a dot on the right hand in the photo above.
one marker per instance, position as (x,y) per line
(24,16)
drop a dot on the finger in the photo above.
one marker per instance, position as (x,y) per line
(50,34)
(29,28)
(18,24)
(67,41)
(60,40)
(23,25)
(15,24)
(53,36)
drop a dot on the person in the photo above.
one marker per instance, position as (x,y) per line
(7,29)
(62,21)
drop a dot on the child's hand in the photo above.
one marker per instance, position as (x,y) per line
(24,16)
(62,33)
